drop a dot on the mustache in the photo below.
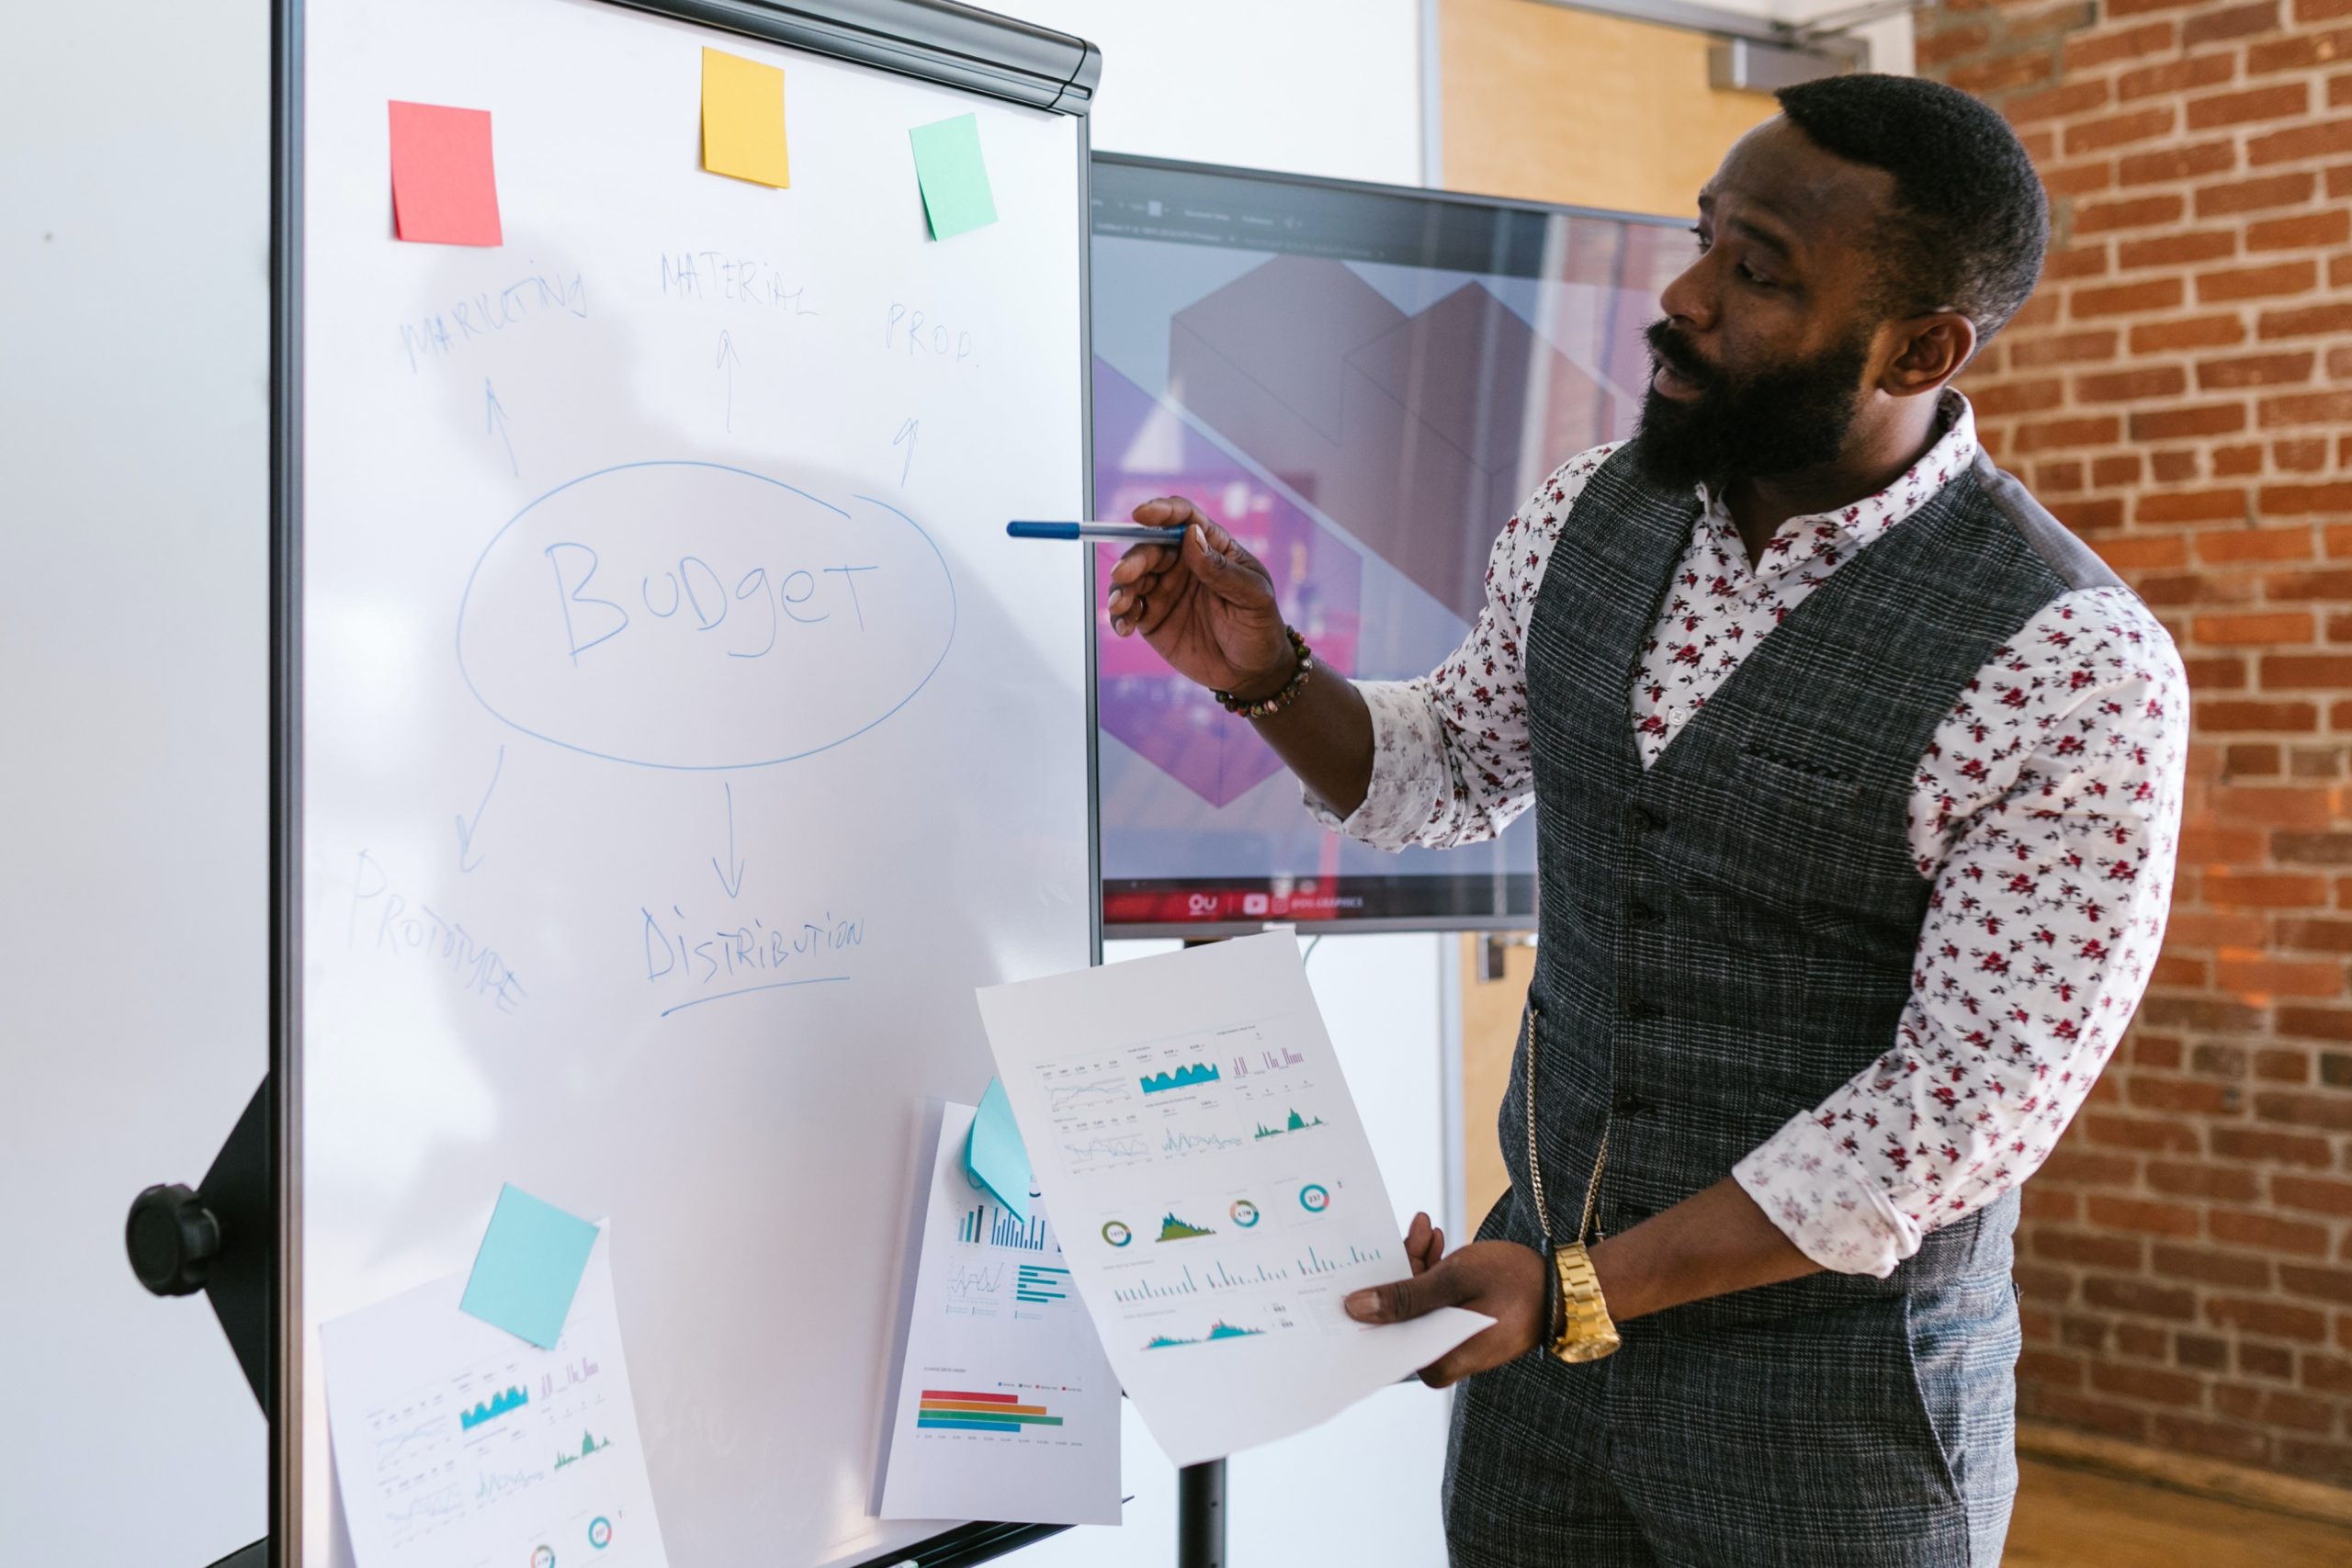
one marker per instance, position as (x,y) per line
(1678,356)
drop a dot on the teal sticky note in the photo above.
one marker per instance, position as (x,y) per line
(955,177)
(529,1266)
(996,1156)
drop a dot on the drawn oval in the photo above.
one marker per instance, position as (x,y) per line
(688,615)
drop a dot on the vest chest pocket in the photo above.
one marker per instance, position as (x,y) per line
(1787,834)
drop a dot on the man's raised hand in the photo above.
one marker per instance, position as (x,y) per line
(1205,606)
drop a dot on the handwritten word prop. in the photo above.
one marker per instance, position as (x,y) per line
(742,120)
(385,918)
(953,176)
(444,190)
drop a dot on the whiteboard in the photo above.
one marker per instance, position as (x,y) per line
(678,740)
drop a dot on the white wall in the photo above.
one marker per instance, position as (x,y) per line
(1307,87)
(134,185)
(134,291)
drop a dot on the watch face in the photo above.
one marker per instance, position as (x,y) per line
(1590,1349)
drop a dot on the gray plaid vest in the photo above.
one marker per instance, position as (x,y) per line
(1728,936)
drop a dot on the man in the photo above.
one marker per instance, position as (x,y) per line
(1857,781)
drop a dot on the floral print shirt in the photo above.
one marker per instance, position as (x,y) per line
(2046,818)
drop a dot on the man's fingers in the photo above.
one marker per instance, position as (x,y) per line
(1402,1299)
(1480,1352)
(1141,561)
(1224,567)
(1165,512)
(1123,598)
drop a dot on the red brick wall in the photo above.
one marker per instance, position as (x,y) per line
(2180,390)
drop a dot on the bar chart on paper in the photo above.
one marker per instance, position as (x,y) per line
(1006,1408)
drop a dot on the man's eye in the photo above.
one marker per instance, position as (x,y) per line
(1701,236)
(1754,276)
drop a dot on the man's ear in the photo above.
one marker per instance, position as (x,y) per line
(1932,350)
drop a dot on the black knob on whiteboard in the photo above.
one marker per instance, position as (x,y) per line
(172,1238)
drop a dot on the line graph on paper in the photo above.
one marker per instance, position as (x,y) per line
(1123,1149)
(391,1446)
(1083,1096)
(413,1517)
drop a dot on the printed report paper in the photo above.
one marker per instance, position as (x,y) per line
(1006,1407)
(457,1443)
(1188,1124)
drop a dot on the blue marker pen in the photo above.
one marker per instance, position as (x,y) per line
(1123,533)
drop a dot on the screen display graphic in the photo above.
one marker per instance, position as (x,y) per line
(1361,384)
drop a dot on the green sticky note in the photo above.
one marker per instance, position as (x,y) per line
(995,1154)
(955,177)
(528,1267)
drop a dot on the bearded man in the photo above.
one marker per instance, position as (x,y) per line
(1857,784)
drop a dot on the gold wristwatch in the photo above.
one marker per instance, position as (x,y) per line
(1585,1330)
(1580,1329)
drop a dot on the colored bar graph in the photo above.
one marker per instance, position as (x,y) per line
(1316,1263)
(956,1410)
(997,1227)
(1147,1292)
(1035,1283)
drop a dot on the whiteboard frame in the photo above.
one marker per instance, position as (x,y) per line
(933,41)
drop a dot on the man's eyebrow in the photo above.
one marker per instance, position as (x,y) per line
(1763,237)
(1744,228)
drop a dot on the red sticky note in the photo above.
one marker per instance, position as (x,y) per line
(443,190)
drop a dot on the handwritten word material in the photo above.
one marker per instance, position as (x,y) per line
(455,1443)
(445,191)
(1212,1259)
(954,177)
(723,279)
(528,1267)
(1006,1408)
(742,120)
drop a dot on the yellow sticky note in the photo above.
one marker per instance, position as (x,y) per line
(742,120)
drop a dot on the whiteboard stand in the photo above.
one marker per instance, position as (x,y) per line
(1200,1515)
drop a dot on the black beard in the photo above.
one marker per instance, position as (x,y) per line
(1737,428)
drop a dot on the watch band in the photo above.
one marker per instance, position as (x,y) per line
(1587,1333)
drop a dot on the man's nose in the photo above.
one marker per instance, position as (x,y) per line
(1688,300)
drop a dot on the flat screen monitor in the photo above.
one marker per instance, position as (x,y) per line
(1361,382)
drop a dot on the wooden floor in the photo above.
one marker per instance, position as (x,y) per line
(2078,1518)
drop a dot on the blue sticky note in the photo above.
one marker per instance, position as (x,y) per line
(529,1266)
(995,1155)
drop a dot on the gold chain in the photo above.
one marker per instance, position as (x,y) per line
(1535,1164)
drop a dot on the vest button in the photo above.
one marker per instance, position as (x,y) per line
(1628,1103)
(1641,914)
(1647,820)
(1635,1008)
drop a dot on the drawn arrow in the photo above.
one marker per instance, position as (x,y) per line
(466,830)
(737,886)
(494,420)
(727,362)
(906,432)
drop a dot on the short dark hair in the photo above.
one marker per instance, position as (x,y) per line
(1971,223)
